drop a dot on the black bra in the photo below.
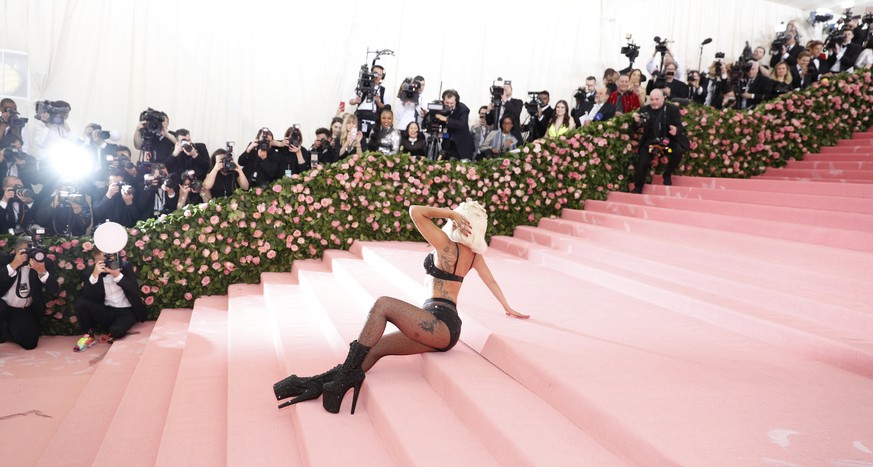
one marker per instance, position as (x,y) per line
(431,269)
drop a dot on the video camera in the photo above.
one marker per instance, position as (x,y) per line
(534,104)
(296,137)
(367,86)
(58,111)
(430,122)
(778,43)
(10,154)
(14,119)
(631,50)
(497,90)
(65,198)
(152,129)
(410,90)
(661,44)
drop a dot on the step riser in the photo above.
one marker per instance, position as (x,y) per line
(758,198)
(852,190)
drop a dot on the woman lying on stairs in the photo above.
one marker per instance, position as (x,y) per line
(434,327)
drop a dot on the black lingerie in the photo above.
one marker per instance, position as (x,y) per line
(445,311)
(431,269)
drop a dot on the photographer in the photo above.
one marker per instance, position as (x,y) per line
(17,206)
(50,126)
(407,105)
(480,130)
(460,140)
(697,87)
(865,58)
(262,160)
(151,135)
(539,122)
(16,163)
(673,88)
(324,149)
(25,274)
(225,177)
(191,190)
(11,122)
(296,158)
(387,138)
(110,297)
(507,106)
(718,83)
(500,141)
(843,54)
(367,108)
(788,50)
(804,73)
(118,204)
(624,99)
(663,135)
(65,212)
(757,89)
(669,58)
(188,155)
(159,193)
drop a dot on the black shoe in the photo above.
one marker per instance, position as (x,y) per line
(297,385)
(349,376)
(638,190)
(668,179)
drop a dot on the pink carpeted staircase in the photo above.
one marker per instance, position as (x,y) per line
(713,322)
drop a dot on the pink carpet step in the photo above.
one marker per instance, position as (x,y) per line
(822,174)
(739,209)
(806,179)
(840,238)
(860,140)
(849,314)
(138,422)
(589,350)
(307,346)
(832,273)
(831,165)
(257,433)
(195,431)
(838,157)
(792,200)
(851,190)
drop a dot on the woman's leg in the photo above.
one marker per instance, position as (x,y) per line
(417,325)
(395,343)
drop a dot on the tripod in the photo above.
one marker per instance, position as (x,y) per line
(434,144)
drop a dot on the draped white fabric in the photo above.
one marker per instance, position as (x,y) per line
(223,69)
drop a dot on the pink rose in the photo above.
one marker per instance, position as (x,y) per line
(149,300)
(205,281)
(277,188)
(188,296)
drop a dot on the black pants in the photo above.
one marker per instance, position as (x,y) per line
(19,325)
(644,163)
(367,121)
(117,320)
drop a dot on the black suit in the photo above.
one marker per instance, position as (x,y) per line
(791,59)
(17,216)
(460,139)
(182,162)
(540,125)
(115,210)
(91,308)
(848,60)
(760,88)
(21,325)
(656,132)
(606,112)
(262,172)
(512,107)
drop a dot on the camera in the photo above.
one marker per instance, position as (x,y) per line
(152,128)
(58,111)
(111,261)
(835,38)
(534,104)
(631,50)
(659,146)
(409,90)
(10,154)
(579,93)
(661,44)
(103,134)
(65,198)
(124,188)
(777,44)
(366,87)
(719,55)
(228,165)
(193,183)
(14,119)
(35,250)
(22,192)
(187,146)
(431,123)
(153,180)
(296,137)
(497,90)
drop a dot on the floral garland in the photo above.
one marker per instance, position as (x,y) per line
(207,247)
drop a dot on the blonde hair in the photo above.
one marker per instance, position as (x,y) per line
(478,217)
(344,132)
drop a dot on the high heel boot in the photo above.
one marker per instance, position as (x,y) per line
(349,376)
(306,388)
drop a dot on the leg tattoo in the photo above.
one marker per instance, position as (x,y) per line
(428,326)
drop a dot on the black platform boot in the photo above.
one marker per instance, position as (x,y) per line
(307,387)
(349,376)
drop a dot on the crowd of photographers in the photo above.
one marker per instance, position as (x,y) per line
(168,169)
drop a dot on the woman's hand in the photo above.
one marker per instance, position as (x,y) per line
(514,314)
(461,223)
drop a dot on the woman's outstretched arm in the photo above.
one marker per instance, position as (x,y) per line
(482,268)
